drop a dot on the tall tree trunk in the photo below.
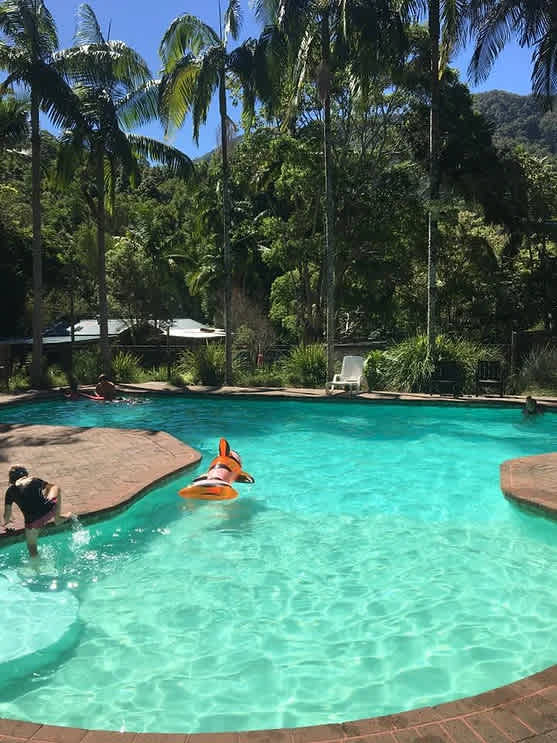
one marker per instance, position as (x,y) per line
(72,324)
(101,251)
(36,374)
(226,232)
(330,253)
(434,176)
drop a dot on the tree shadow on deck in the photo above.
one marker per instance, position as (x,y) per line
(27,435)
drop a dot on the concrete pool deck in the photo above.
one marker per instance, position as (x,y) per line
(87,463)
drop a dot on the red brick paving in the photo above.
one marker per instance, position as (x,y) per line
(532,481)
(525,710)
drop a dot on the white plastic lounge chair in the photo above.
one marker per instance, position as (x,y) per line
(350,375)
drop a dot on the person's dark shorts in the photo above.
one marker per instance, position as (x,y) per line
(45,518)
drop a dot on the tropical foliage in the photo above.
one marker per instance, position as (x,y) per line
(26,54)
(312,226)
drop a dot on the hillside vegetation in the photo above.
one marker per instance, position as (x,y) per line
(519,119)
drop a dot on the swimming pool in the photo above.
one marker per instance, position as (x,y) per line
(374,566)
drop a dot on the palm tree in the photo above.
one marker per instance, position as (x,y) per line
(115,89)
(321,36)
(447,23)
(494,22)
(197,64)
(30,30)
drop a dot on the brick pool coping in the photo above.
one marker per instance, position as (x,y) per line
(526,709)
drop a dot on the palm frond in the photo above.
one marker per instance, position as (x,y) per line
(294,16)
(494,28)
(210,68)
(17,64)
(140,106)
(14,120)
(118,152)
(266,11)
(7,85)
(455,26)
(69,155)
(39,29)
(110,66)
(129,67)
(232,19)
(413,11)
(46,26)
(177,162)
(270,66)
(11,19)
(177,91)
(185,34)
(544,73)
(241,63)
(30,26)
(57,99)
(88,30)
(310,37)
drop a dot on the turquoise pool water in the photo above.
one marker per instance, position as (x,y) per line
(373,567)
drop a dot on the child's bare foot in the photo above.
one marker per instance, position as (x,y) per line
(63,517)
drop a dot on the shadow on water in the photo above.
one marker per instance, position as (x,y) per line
(238,515)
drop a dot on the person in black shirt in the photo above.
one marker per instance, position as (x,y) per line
(39,501)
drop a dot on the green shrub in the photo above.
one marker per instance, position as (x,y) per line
(306,366)
(204,365)
(19,380)
(160,374)
(127,367)
(56,376)
(267,377)
(372,370)
(538,373)
(86,366)
(176,379)
(156,374)
(407,368)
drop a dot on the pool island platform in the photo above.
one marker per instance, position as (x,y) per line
(100,471)
(103,470)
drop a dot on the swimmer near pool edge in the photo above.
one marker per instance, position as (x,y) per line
(216,483)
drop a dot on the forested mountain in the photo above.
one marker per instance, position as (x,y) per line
(519,119)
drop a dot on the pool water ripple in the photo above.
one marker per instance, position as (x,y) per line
(373,567)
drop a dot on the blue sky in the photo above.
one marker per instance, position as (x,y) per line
(141,24)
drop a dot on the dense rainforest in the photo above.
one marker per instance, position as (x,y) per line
(497,262)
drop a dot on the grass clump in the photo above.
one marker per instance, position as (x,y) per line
(406,367)
(19,380)
(126,367)
(55,376)
(267,377)
(86,366)
(372,370)
(204,365)
(306,366)
(538,374)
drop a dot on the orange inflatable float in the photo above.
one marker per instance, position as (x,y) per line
(216,484)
